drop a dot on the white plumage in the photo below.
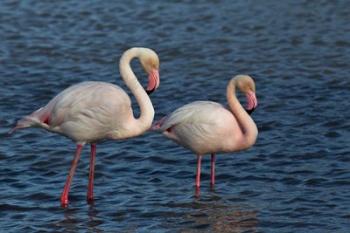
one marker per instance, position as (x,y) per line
(91,111)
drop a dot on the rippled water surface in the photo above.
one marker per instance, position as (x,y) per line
(295,179)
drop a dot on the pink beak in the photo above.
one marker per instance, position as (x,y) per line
(153,81)
(252,102)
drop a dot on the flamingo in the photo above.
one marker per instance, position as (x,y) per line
(91,111)
(206,127)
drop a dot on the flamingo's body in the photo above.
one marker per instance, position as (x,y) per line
(86,112)
(91,111)
(207,127)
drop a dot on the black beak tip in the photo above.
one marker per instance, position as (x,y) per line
(149,92)
(250,111)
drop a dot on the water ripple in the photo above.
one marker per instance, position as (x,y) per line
(293,180)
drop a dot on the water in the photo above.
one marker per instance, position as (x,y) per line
(295,179)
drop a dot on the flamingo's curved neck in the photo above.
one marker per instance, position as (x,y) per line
(142,123)
(246,123)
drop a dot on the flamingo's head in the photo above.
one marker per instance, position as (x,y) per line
(246,84)
(150,63)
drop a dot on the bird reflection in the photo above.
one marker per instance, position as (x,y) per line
(73,220)
(218,217)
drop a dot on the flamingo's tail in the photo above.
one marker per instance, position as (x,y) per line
(158,124)
(36,119)
(25,122)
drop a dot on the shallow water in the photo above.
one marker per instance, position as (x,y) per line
(295,179)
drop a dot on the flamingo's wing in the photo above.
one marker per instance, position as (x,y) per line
(196,112)
(200,126)
(97,101)
(89,100)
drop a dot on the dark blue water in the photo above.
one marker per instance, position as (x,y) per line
(295,179)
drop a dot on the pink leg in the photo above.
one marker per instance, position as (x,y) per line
(197,192)
(90,194)
(64,195)
(212,170)
(198,175)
